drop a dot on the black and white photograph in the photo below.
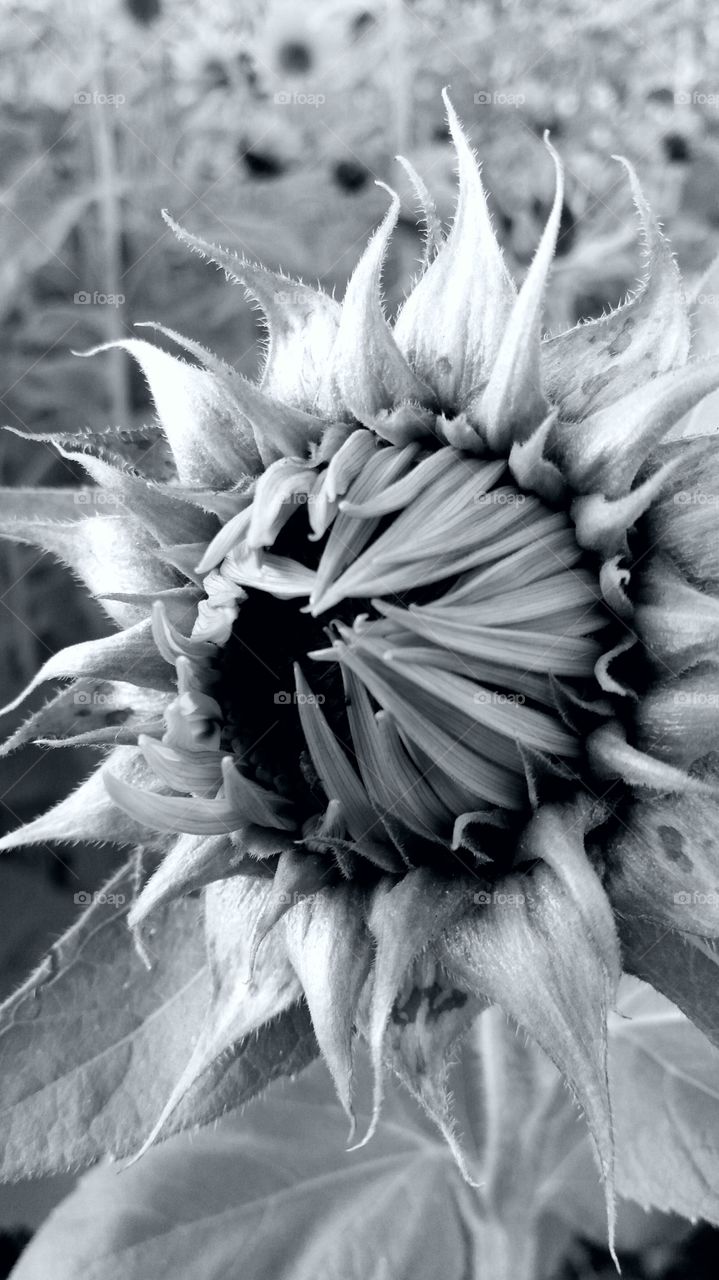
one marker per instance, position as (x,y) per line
(359,640)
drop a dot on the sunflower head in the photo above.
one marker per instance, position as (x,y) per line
(416,653)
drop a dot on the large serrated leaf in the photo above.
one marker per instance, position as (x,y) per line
(272,1196)
(92,1045)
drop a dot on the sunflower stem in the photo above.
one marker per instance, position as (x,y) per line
(504,1096)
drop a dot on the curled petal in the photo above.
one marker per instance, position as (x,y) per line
(612,756)
(179,814)
(602,523)
(191,772)
(531,469)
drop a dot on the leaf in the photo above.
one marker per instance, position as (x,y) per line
(683,968)
(271,1196)
(92,1045)
(665,1091)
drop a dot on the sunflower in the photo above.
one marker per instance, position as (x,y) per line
(419,634)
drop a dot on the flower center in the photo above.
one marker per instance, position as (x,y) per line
(411,624)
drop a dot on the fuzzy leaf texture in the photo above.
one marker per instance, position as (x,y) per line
(274,1196)
(92,1045)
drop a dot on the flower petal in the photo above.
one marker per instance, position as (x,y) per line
(611,756)
(126,655)
(330,950)
(663,864)
(109,553)
(677,623)
(302,322)
(599,361)
(604,452)
(513,403)
(452,323)
(529,951)
(405,919)
(161,508)
(367,372)
(89,813)
(238,1006)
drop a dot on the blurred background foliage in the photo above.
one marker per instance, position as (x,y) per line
(264,124)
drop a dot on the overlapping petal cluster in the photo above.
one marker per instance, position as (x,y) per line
(415,668)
